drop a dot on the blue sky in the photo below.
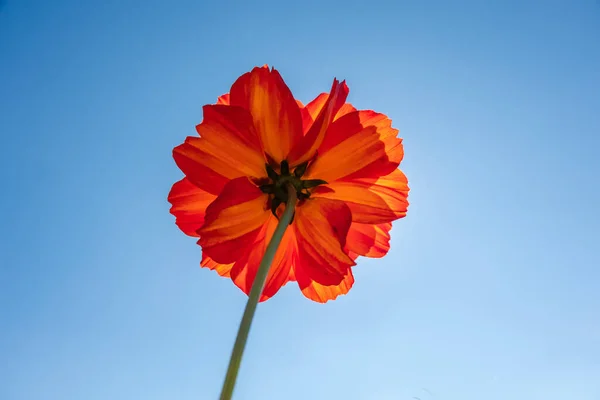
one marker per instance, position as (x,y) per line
(491,289)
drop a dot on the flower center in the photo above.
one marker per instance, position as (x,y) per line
(278,184)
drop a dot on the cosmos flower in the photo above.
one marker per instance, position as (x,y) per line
(342,162)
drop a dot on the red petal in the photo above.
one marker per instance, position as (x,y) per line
(307,147)
(321,226)
(233,221)
(345,109)
(189,205)
(224,99)
(244,271)
(193,162)
(274,110)
(344,129)
(231,136)
(228,148)
(357,145)
(369,240)
(312,110)
(371,200)
(321,293)
(221,269)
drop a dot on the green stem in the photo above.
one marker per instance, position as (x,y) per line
(254,296)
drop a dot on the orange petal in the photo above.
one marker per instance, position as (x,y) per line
(230,135)
(384,165)
(292,276)
(224,99)
(307,147)
(233,221)
(199,167)
(274,110)
(227,149)
(369,240)
(221,269)
(344,129)
(321,226)
(392,144)
(322,294)
(244,271)
(357,146)
(312,110)
(189,205)
(314,107)
(371,200)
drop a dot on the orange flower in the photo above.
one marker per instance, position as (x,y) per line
(343,163)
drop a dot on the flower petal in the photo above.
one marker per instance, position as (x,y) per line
(312,110)
(321,226)
(342,130)
(188,205)
(224,99)
(244,271)
(274,110)
(233,221)
(199,167)
(357,145)
(369,240)
(371,200)
(345,109)
(320,293)
(307,147)
(231,136)
(227,149)
(222,269)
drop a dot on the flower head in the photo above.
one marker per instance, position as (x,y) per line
(258,139)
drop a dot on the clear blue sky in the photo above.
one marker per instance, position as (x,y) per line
(492,287)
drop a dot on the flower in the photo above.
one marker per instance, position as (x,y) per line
(257,138)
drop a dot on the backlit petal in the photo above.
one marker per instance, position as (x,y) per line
(231,136)
(189,205)
(345,109)
(227,149)
(321,226)
(233,221)
(342,130)
(307,147)
(224,99)
(198,166)
(372,200)
(369,240)
(312,110)
(274,110)
(321,293)
(221,269)
(357,146)
(244,271)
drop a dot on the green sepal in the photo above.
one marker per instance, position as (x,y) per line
(268,189)
(300,170)
(285,168)
(311,183)
(303,195)
(271,172)
(275,202)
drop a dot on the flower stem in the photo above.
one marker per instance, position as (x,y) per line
(254,296)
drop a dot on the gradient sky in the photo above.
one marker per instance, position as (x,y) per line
(492,287)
